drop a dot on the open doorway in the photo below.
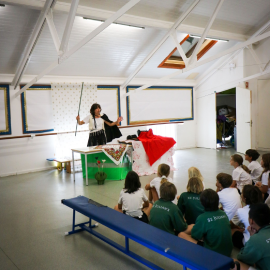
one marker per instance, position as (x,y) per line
(226,119)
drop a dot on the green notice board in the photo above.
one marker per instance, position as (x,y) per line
(114,172)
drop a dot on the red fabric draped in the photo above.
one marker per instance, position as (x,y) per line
(155,146)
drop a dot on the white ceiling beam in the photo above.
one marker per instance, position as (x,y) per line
(31,43)
(193,57)
(204,76)
(209,59)
(171,30)
(102,14)
(88,38)
(179,48)
(53,31)
(69,25)
(255,57)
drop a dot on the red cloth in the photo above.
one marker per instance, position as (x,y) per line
(155,146)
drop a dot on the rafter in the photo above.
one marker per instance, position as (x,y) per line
(193,57)
(209,59)
(179,48)
(171,30)
(94,33)
(255,57)
(69,24)
(55,37)
(31,43)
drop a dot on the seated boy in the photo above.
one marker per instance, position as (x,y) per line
(228,197)
(212,227)
(165,215)
(256,253)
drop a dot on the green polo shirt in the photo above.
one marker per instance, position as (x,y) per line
(190,205)
(213,227)
(257,250)
(166,216)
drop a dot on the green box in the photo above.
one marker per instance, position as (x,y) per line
(114,172)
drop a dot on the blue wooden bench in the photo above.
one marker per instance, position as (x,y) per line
(170,246)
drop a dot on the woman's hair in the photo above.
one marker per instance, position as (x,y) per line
(168,191)
(238,159)
(225,179)
(252,194)
(253,154)
(266,165)
(260,213)
(194,172)
(132,182)
(195,185)
(163,169)
(209,200)
(94,107)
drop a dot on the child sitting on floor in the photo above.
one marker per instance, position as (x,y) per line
(240,173)
(250,195)
(228,197)
(133,201)
(165,215)
(163,173)
(195,172)
(189,202)
(254,166)
(212,228)
(265,177)
(256,253)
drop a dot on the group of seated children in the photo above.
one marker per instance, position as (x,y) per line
(236,214)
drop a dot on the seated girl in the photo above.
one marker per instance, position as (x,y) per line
(165,215)
(189,202)
(254,166)
(265,177)
(195,172)
(240,175)
(250,195)
(163,173)
(133,201)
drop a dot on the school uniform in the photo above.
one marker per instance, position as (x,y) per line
(213,227)
(241,217)
(257,250)
(241,177)
(255,170)
(230,200)
(132,203)
(156,183)
(166,216)
(265,178)
(190,205)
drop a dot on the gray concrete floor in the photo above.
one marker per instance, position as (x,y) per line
(33,220)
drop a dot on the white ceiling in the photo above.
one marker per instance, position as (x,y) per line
(118,50)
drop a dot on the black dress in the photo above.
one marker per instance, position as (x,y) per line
(101,137)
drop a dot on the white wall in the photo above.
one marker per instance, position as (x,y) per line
(28,155)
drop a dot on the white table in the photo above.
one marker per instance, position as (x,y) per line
(85,151)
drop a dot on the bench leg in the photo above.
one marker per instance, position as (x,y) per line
(74,230)
(127,244)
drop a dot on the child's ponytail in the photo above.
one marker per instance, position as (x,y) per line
(245,168)
(163,179)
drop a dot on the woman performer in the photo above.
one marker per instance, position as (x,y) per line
(102,130)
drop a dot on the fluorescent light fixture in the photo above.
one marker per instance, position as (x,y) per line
(115,23)
(218,39)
